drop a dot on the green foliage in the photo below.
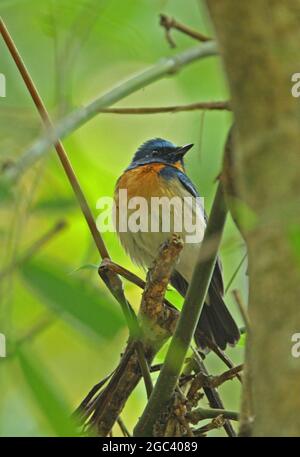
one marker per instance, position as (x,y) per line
(88,266)
(5,194)
(74,300)
(242,341)
(46,394)
(55,205)
(76,50)
(294,238)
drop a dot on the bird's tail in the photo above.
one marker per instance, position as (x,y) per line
(216,322)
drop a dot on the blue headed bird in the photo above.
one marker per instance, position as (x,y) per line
(157,171)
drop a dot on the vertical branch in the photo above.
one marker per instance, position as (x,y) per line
(267,181)
(157,322)
(189,317)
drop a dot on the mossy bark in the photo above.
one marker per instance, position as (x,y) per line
(259,44)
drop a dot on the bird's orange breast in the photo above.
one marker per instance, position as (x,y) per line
(143,181)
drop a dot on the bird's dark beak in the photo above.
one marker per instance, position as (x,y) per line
(182,150)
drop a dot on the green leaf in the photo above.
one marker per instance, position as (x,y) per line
(56,205)
(87,266)
(242,340)
(46,394)
(75,299)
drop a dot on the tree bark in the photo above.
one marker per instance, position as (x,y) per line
(259,44)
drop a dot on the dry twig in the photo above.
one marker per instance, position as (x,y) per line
(170,23)
(189,316)
(157,323)
(112,280)
(219,106)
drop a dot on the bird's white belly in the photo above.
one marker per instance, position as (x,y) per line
(143,246)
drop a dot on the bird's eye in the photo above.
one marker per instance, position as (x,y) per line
(155,152)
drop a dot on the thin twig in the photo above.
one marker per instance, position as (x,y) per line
(217,422)
(127,274)
(122,271)
(170,109)
(236,272)
(85,402)
(57,143)
(212,394)
(114,284)
(63,158)
(157,323)
(200,414)
(201,135)
(170,23)
(216,381)
(202,380)
(123,427)
(144,368)
(242,308)
(193,304)
(219,353)
(118,288)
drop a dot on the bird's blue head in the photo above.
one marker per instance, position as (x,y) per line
(159,150)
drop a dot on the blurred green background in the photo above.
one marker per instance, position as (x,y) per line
(64,331)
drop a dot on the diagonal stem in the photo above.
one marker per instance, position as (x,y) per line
(170,23)
(58,145)
(209,413)
(219,106)
(193,304)
(118,288)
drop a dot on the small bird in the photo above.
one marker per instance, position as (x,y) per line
(157,170)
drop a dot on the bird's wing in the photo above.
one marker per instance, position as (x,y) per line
(187,183)
(215,321)
(217,278)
